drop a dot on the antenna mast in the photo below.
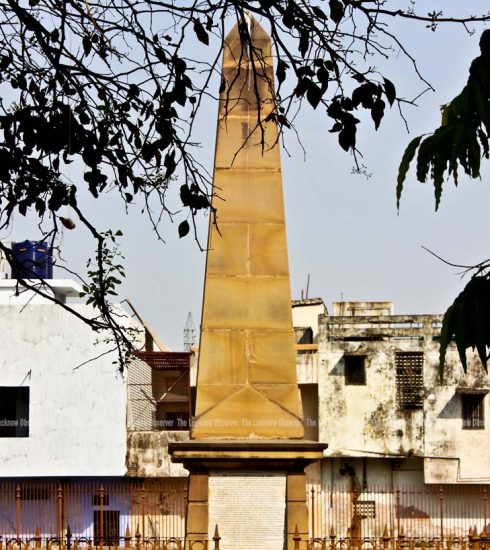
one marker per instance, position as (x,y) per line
(189,333)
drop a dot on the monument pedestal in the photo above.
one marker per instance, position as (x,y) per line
(255,491)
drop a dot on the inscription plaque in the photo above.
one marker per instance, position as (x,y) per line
(249,509)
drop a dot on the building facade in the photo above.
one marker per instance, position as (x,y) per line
(405,448)
(65,422)
(83,446)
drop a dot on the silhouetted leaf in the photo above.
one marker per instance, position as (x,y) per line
(319,12)
(323,77)
(201,32)
(377,112)
(404,166)
(185,195)
(161,55)
(288,16)
(304,42)
(302,86)
(336,10)
(281,70)
(347,137)
(183,228)
(390,91)
(447,330)
(169,164)
(313,95)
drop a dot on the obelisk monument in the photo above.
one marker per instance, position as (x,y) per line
(247,453)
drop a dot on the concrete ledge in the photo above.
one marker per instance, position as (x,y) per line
(246,454)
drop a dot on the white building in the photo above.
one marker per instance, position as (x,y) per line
(63,427)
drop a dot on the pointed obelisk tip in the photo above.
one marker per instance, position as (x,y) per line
(255,30)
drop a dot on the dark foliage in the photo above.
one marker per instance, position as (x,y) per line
(462,138)
(110,86)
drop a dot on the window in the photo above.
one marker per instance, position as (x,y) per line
(355,370)
(365,509)
(473,416)
(303,335)
(409,379)
(14,411)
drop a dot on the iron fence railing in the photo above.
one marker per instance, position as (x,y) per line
(70,542)
(473,541)
(95,511)
(416,511)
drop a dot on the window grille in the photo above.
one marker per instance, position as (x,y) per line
(473,415)
(365,509)
(409,379)
(355,370)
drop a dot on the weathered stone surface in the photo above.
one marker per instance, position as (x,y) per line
(147,454)
(246,384)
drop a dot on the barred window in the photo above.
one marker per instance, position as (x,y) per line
(355,370)
(409,379)
(365,509)
(473,415)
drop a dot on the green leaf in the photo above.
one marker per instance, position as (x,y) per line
(404,166)
(424,159)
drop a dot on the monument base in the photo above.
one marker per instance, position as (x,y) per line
(255,491)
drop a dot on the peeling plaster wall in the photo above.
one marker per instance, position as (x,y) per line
(148,456)
(77,417)
(365,420)
(455,454)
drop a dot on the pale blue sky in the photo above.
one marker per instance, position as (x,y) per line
(343,230)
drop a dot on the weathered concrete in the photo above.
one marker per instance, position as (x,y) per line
(147,454)
(366,420)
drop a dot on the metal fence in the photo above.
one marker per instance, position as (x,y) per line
(473,541)
(416,511)
(96,511)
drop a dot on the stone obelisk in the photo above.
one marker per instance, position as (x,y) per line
(247,384)
(247,436)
